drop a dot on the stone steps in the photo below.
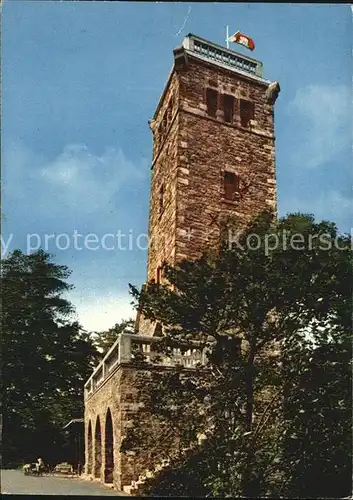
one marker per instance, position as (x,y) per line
(134,488)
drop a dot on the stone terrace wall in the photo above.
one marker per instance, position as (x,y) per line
(123,394)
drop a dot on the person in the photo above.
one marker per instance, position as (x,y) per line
(40,465)
(26,468)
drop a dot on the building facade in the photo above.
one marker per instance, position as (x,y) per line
(213,161)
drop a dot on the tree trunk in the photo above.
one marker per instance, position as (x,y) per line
(247,479)
(249,388)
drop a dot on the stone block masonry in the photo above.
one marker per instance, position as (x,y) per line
(115,398)
(122,397)
(192,152)
(118,396)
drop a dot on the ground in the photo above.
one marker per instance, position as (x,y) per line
(15,482)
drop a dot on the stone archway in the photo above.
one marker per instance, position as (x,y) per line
(89,449)
(109,449)
(97,449)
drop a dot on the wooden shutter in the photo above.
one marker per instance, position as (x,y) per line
(247,110)
(211,101)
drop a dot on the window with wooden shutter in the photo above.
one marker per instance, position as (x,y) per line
(169,112)
(228,108)
(211,101)
(161,199)
(230,185)
(247,112)
(158,275)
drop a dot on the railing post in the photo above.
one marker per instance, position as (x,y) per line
(124,348)
(203,357)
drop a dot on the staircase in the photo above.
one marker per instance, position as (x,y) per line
(135,487)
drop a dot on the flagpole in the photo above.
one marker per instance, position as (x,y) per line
(227,35)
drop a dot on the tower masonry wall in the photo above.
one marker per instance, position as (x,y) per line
(162,220)
(196,152)
(209,147)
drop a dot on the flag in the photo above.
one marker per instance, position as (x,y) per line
(243,40)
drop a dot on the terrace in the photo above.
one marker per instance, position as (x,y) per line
(125,351)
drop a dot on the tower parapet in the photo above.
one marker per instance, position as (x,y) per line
(221,56)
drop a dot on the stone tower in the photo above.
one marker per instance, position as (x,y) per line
(213,159)
(213,152)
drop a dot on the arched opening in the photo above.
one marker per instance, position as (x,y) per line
(89,449)
(109,449)
(97,449)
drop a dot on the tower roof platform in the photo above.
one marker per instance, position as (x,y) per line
(225,58)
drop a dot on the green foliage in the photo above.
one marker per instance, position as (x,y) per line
(288,298)
(46,358)
(318,442)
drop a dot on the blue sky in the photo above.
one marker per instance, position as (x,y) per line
(82,79)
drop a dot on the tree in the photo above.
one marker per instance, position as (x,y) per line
(46,357)
(318,411)
(104,340)
(282,283)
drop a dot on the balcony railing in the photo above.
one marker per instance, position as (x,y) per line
(127,349)
(221,55)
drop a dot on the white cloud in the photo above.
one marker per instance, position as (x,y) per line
(101,312)
(88,181)
(75,180)
(76,189)
(322,116)
(331,205)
